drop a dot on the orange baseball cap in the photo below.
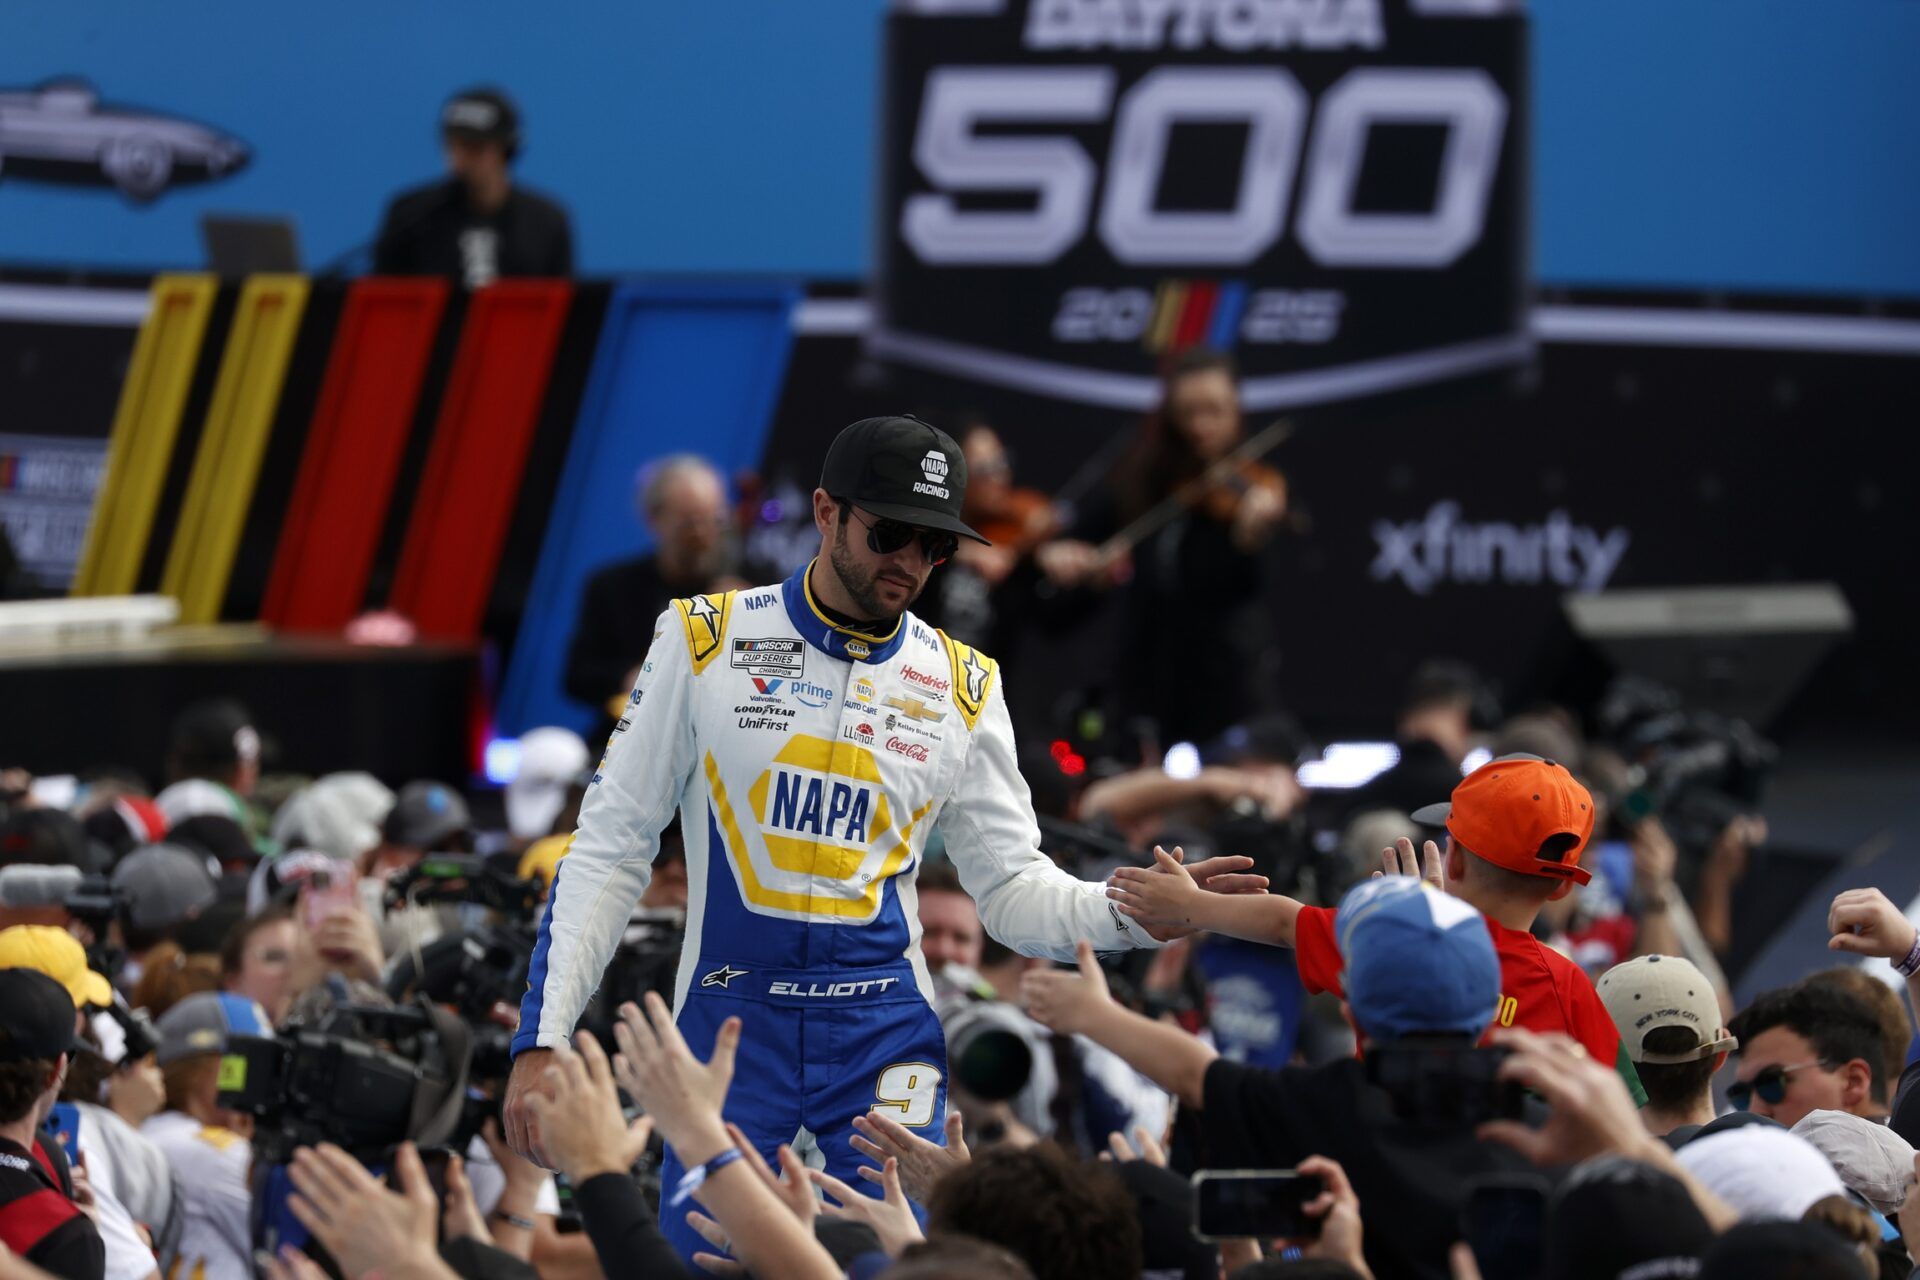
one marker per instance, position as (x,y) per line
(1520,812)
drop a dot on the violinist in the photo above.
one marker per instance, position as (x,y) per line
(985,589)
(1196,644)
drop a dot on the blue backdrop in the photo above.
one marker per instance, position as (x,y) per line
(1753,144)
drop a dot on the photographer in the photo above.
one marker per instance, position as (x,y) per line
(1423,982)
(207,1144)
(43,1216)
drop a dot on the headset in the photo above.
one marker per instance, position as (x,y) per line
(506,126)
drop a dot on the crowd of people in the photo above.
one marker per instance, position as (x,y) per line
(1129,1014)
(1470,1063)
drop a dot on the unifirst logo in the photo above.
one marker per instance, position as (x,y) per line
(820,808)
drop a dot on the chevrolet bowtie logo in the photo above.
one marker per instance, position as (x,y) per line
(913,708)
(720,977)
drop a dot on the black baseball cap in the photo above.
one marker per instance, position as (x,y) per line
(481,112)
(900,468)
(40,1014)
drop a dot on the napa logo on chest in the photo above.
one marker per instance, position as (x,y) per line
(819,834)
(828,808)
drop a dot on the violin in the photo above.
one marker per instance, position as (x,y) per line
(1218,497)
(1217,491)
(1019,521)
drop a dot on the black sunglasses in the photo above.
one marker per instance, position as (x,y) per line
(884,537)
(1770,1084)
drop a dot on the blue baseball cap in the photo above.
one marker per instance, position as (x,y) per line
(1418,962)
(206,1022)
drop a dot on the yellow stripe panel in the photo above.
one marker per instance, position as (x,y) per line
(1166,317)
(145,426)
(225,470)
(705,620)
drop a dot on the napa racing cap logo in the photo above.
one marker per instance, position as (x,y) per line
(934,468)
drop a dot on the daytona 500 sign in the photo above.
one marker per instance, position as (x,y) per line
(1333,189)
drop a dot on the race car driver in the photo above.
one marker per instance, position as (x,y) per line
(812,734)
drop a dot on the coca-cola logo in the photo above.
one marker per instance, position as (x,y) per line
(911,750)
(931,683)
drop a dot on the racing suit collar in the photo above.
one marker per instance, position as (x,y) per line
(829,637)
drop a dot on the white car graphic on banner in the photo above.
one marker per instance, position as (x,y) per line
(61,133)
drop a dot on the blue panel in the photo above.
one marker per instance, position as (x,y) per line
(680,368)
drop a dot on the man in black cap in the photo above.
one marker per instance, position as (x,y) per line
(811,735)
(39,1217)
(476,225)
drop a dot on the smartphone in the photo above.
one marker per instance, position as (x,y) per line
(62,1125)
(1504,1223)
(1445,1085)
(325,893)
(435,1160)
(1260,1204)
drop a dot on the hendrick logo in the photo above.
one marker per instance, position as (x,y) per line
(936,685)
(1442,548)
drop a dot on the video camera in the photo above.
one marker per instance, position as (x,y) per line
(365,1077)
(1444,1082)
(1695,770)
(481,972)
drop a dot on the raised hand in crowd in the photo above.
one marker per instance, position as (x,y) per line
(460,1217)
(1865,922)
(922,1163)
(519,1195)
(1590,1113)
(1338,1210)
(790,1186)
(1398,859)
(684,1096)
(581,1126)
(890,1217)
(1068,1001)
(291,1264)
(1143,1147)
(366,1227)
(1172,900)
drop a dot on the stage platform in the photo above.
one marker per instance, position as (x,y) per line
(321,704)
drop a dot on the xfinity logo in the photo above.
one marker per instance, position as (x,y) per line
(1443,548)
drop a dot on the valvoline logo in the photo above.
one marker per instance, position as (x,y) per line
(769,687)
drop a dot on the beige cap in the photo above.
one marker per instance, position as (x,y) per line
(1663,991)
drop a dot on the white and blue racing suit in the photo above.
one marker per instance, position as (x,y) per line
(809,763)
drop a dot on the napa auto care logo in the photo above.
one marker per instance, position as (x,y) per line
(1336,191)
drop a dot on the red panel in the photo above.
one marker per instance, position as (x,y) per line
(1197,314)
(472,477)
(353,451)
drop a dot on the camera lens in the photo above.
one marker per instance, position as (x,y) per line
(991,1063)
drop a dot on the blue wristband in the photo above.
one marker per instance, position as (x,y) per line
(692,1180)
